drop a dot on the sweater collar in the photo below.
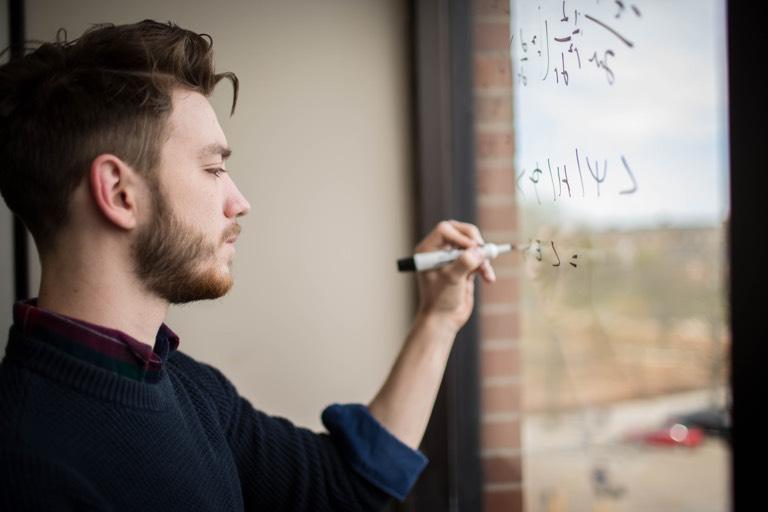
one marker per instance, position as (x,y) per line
(105,347)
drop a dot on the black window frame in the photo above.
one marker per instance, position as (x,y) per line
(747,39)
(444,163)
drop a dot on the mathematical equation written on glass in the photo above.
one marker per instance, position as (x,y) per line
(546,252)
(584,179)
(533,249)
(558,47)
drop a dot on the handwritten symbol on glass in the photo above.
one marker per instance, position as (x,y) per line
(523,44)
(535,180)
(573,49)
(581,177)
(632,177)
(522,76)
(621,9)
(596,173)
(620,4)
(517,182)
(564,72)
(604,64)
(564,180)
(552,180)
(611,30)
(552,242)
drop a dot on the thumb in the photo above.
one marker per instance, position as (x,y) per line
(469,261)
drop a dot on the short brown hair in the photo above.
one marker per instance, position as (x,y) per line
(108,91)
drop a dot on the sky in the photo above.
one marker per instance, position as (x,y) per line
(645,104)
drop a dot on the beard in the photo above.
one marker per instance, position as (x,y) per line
(176,262)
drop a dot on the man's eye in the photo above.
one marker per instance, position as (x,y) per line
(217,171)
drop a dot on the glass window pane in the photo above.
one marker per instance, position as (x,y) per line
(622,191)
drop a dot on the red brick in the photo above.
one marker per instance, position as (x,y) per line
(500,398)
(508,500)
(491,36)
(493,109)
(499,326)
(503,362)
(503,470)
(491,7)
(501,434)
(509,266)
(497,218)
(493,71)
(491,145)
(496,181)
(503,291)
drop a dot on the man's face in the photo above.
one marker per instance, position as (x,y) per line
(184,253)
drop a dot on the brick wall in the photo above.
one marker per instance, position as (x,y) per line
(497,218)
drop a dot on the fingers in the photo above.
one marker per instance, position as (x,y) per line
(468,230)
(487,271)
(453,233)
(469,261)
(447,233)
(472,231)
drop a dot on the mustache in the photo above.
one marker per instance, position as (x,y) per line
(231,231)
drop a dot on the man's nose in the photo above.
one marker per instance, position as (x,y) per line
(237,205)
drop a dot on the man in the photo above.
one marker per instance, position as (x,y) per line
(115,161)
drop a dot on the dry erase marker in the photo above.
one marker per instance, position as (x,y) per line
(435,259)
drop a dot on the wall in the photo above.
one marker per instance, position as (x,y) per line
(321,150)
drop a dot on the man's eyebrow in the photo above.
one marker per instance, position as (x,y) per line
(215,149)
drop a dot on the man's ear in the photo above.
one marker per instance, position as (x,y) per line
(115,187)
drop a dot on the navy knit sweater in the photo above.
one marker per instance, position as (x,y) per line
(74,436)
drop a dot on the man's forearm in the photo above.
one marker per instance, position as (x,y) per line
(404,403)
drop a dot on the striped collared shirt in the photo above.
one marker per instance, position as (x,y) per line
(108,348)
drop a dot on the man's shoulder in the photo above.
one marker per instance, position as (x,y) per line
(181,362)
(193,373)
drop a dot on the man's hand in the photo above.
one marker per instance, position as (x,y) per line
(404,403)
(446,294)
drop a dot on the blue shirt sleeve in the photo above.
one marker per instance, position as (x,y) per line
(372,451)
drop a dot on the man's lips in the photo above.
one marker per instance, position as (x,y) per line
(231,234)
